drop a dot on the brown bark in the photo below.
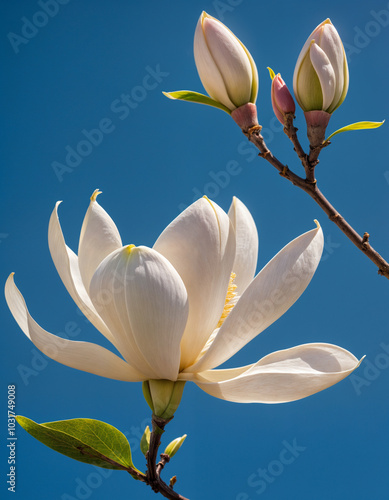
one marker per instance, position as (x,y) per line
(309,185)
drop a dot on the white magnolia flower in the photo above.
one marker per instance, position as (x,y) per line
(226,68)
(178,310)
(320,79)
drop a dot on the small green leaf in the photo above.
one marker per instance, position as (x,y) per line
(356,126)
(145,441)
(188,95)
(271,72)
(83,439)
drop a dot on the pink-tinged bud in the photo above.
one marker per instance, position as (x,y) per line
(281,99)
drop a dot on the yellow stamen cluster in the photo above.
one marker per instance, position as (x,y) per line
(231,294)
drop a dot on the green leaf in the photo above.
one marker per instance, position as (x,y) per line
(83,439)
(145,441)
(188,95)
(271,72)
(356,126)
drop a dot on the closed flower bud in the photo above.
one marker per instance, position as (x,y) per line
(226,68)
(174,446)
(320,80)
(281,98)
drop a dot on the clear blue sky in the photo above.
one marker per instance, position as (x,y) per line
(154,157)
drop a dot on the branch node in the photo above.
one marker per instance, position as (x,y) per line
(334,216)
(365,242)
(253,129)
(365,238)
(384,271)
(284,171)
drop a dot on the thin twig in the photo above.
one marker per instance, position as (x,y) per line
(153,469)
(309,185)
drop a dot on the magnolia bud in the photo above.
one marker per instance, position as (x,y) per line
(174,446)
(226,68)
(282,100)
(320,80)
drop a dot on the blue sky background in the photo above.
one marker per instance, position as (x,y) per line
(154,159)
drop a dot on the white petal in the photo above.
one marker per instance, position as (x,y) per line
(83,356)
(214,375)
(209,72)
(107,291)
(200,243)
(246,254)
(66,263)
(332,45)
(269,296)
(325,73)
(283,376)
(315,35)
(99,237)
(143,294)
(231,60)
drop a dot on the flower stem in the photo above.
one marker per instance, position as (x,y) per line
(153,469)
(309,185)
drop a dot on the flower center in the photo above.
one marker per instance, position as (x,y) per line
(229,303)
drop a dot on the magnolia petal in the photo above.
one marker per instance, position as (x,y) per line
(83,356)
(200,243)
(276,288)
(142,291)
(282,376)
(308,90)
(345,83)
(254,73)
(231,60)
(214,375)
(107,292)
(325,73)
(66,263)
(209,73)
(99,237)
(246,253)
(332,45)
(315,35)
